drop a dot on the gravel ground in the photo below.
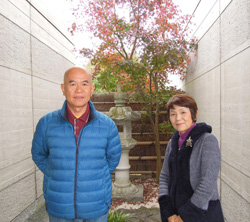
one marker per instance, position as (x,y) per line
(147,210)
(142,214)
(151,191)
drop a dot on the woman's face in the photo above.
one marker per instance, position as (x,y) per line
(180,118)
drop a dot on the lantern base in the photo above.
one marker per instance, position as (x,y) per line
(130,193)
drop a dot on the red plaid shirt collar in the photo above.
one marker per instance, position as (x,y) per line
(77,123)
(84,117)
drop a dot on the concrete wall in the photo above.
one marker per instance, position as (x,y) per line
(34,53)
(219,79)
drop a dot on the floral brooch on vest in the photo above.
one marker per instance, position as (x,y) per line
(189,142)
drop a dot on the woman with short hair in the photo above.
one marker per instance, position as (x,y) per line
(188,180)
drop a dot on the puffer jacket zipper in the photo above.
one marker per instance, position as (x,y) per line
(77,150)
(76,180)
(76,167)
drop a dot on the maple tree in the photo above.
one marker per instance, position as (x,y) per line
(139,44)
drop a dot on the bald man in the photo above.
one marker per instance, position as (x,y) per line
(77,148)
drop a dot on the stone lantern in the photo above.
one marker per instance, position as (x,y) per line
(123,115)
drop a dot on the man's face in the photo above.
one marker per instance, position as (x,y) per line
(77,88)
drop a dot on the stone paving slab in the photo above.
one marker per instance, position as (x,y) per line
(143,214)
(35,213)
(39,216)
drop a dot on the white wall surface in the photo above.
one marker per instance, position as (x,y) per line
(35,51)
(219,79)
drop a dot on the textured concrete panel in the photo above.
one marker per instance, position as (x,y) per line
(14,46)
(22,6)
(224,4)
(15,95)
(16,127)
(47,97)
(17,11)
(235,208)
(235,25)
(208,54)
(61,18)
(15,172)
(206,14)
(238,181)
(206,91)
(48,64)
(236,121)
(45,31)
(17,198)
(15,157)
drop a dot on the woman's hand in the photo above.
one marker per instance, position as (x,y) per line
(179,219)
(175,218)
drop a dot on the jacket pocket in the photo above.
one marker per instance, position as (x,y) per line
(107,186)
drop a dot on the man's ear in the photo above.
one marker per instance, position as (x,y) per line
(63,89)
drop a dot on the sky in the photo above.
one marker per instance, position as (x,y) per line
(187,6)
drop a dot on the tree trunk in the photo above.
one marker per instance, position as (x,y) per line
(158,161)
(157,136)
(154,120)
(155,127)
(157,143)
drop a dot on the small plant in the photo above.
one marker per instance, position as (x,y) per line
(115,216)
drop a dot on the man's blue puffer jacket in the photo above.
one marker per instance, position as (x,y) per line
(77,181)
